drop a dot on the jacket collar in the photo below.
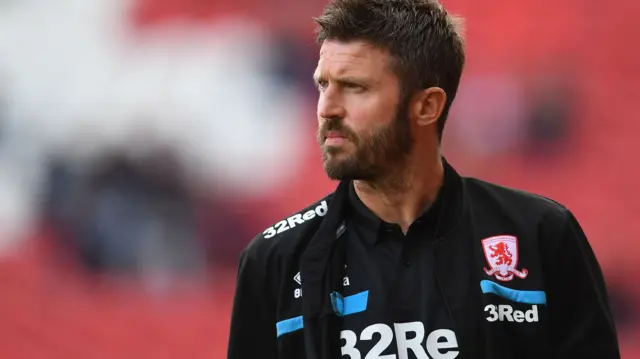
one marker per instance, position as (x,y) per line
(360,215)
(322,267)
(441,216)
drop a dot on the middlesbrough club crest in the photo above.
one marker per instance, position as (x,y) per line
(502,255)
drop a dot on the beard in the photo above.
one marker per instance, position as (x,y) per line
(368,156)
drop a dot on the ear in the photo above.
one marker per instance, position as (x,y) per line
(427,106)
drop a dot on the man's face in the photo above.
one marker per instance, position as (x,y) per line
(363,131)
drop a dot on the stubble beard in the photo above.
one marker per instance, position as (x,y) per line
(369,157)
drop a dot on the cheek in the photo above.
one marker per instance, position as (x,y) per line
(368,113)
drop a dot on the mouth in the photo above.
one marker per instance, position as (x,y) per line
(335,135)
(334,138)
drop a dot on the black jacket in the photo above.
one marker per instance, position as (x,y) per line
(554,258)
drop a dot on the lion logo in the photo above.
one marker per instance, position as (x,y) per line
(501,253)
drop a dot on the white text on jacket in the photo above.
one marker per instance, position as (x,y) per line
(505,312)
(439,344)
(287,224)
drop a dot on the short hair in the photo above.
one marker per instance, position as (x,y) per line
(425,42)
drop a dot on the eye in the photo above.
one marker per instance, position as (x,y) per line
(322,85)
(354,86)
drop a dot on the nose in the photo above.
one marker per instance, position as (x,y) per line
(330,105)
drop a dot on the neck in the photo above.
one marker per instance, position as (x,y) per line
(402,197)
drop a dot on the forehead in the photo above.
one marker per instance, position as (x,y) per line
(353,58)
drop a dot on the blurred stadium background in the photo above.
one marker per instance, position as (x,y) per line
(143,143)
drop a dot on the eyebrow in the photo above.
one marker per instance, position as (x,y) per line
(342,80)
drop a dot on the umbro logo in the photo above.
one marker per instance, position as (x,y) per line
(297,293)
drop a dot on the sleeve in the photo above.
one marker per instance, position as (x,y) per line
(253,316)
(580,319)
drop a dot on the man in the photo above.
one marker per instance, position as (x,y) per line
(406,259)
